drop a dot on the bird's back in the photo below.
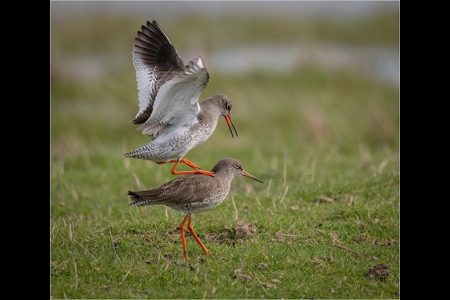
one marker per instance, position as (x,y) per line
(184,189)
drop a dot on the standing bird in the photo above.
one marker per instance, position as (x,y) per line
(168,101)
(193,193)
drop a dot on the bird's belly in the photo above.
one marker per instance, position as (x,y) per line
(180,144)
(195,207)
(175,143)
(167,147)
(202,135)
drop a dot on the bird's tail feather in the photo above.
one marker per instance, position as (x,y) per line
(144,152)
(139,199)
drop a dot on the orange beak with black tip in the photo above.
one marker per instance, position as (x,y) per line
(228,119)
(245,173)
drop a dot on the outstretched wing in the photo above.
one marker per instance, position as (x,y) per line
(168,90)
(176,102)
(156,61)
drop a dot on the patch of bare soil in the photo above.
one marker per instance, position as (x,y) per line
(269,285)
(168,256)
(152,261)
(279,236)
(317,262)
(244,230)
(261,265)
(380,271)
(238,273)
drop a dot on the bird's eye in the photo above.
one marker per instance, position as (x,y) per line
(228,107)
(237,166)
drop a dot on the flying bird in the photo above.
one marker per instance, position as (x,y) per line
(169,112)
(193,194)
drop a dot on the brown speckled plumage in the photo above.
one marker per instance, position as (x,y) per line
(193,194)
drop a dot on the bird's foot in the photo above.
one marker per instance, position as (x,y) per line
(210,173)
(185,256)
(193,172)
(189,163)
(207,253)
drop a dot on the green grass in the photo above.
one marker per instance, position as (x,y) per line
(309,134)
(89,198)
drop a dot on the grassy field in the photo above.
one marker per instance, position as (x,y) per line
(325,143)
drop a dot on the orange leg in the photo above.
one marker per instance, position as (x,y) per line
(183,239)
(191,230)
(182,161)
(190,164)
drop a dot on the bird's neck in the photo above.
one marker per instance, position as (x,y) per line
(223,175)
(223,181)
(209,111)
(211,106)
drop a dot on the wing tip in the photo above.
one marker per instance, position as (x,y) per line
(198,62)
(202,62)
(195,66)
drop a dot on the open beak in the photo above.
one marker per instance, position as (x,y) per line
(244,173)
(228,119)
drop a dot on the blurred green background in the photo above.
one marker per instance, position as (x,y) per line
(315,93)
(303,77)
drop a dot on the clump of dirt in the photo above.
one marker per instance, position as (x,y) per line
(391,242)
(279,236)
(269,285)
(380,271)
(168,256)
(261,265)
(363,237)
(193,268)
(244,230)
(238,273)
(317,262)
(387,243)
(152,261)
(201,259)
(323,232)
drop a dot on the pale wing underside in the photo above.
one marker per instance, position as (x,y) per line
(176,103)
